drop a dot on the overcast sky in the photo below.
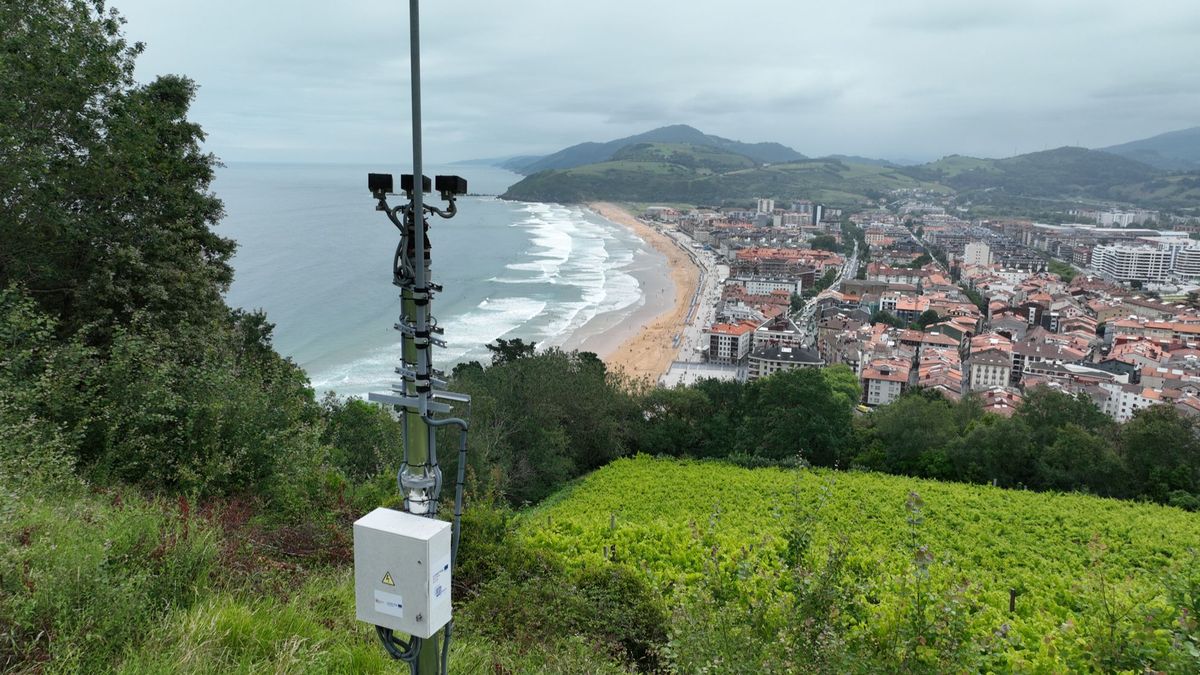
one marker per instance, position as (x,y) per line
(323,80)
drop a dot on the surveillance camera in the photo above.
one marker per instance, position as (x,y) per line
(449,186)
(406,183)
(380,184)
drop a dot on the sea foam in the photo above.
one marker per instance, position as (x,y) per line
(574,268)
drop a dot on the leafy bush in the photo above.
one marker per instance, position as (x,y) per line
(514,592)
(364,439)
(539,421)
(35,453)
(605,605)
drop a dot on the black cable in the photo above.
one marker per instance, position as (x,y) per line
(398,649)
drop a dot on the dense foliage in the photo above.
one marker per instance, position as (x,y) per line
(539,421)
(104,186)
(119,353)
(1053,442)
(772,570)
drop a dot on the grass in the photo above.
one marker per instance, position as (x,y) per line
(110,581)
(313,630)
(84,576)
(630,166)
(1063,270)
(744,569)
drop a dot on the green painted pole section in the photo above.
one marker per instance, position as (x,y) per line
(429,661)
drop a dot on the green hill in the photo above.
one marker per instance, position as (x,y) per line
(703,174)
(1063,175)
(1172,151)
(592,152)
(1179,191)
(916,571)
(689,173)
(680,164)
(951,166)
(702,158)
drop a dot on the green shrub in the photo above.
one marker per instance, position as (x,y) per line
(605,605)
(364,438)
(514,592)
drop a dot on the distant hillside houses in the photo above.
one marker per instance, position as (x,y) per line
(984,317)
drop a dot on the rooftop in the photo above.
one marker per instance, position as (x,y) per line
(796,355)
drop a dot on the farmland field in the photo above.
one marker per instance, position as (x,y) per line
(1094,583)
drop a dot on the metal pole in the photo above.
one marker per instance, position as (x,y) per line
(417,431)
(421,271)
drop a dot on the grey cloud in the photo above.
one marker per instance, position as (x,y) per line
(311,80)
(1183,86)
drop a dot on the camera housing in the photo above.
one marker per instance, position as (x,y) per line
(406,183)
(380,184)
(450,186)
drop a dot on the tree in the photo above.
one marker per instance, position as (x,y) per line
(974,296)
(1046,412)
(844,384)
(993,449)
(675,421)
(539,420)
(821,284)
(825,242)
(1161,453)
(107,209)
(920,261)
(507,351)
(723,423)
(914,429)
(884,316)
(1079,460)
(927,319)
(105,219)
(795,413)
(366,441)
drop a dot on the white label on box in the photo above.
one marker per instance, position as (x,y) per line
(389,603)
(439,581)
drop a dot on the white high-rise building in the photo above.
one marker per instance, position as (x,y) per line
(1187,262)
(977,254)
(1133,263)
(766,205)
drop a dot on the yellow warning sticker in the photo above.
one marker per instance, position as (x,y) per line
(387,579)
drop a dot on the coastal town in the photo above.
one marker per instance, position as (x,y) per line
(909,294)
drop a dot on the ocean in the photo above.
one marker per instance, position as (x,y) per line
(315,255)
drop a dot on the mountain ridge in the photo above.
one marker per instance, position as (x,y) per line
(1171,151)
(591,152)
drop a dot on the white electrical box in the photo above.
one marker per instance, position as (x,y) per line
(402,571)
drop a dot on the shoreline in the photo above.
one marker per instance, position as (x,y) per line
(647,338)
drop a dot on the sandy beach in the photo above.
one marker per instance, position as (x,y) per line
(646,348)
